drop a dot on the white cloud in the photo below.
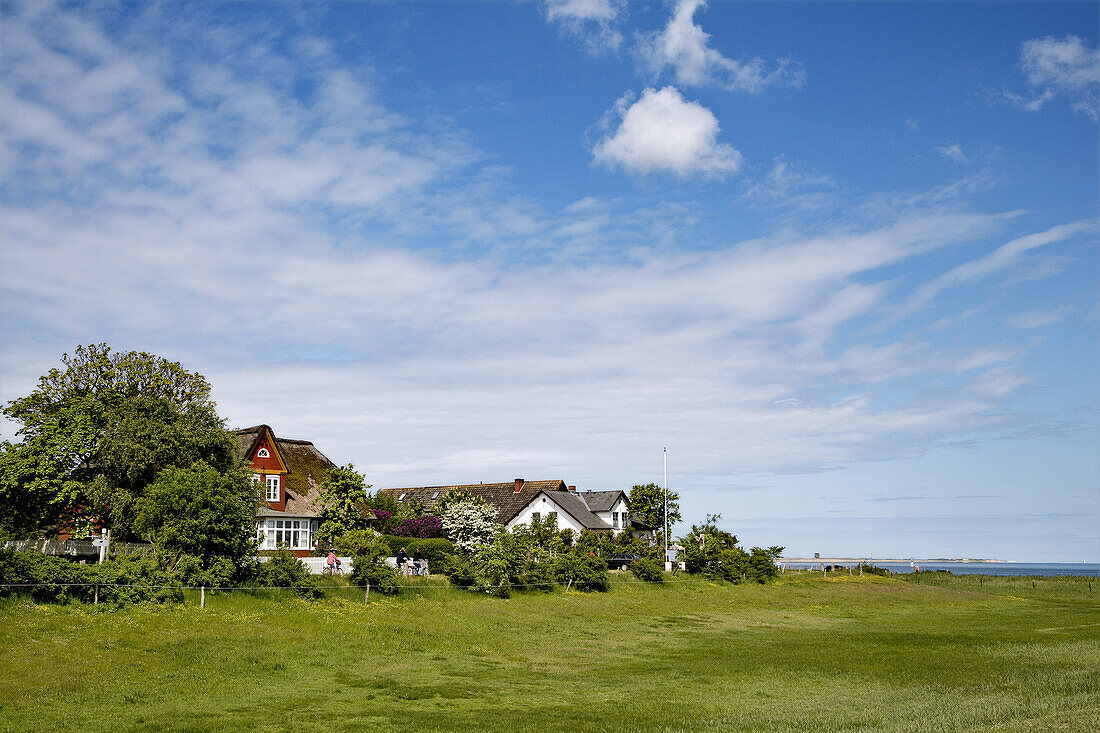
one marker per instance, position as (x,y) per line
(791,185)
(1066,66)
(661,132)
(594,21)
(954,152)
(334,275)
(685,47)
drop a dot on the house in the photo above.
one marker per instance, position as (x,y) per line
(288,475)
(516,502)
(520,501)
(610,506)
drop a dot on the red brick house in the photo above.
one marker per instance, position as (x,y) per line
(288,475)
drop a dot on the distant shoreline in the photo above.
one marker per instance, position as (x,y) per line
(890,559)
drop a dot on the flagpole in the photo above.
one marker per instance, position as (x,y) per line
(665,452)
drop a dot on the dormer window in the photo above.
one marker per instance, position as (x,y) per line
(263,453)
(273,488)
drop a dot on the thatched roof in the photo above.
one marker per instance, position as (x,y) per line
(306,468)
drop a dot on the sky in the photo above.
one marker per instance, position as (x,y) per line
(840,259)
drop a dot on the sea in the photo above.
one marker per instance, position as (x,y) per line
(1089,569)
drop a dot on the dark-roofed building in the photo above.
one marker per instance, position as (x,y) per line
(610,506)
(288,475)
(517,502)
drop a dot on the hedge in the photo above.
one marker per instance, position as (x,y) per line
(432,550)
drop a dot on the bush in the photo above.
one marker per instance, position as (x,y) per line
(284,570)
(459,570)
(583,572)
(52,579)
(426,526)
(363,543)
(648,569)
(433,550)
(381,578)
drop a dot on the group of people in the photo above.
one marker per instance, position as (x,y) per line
(416,565)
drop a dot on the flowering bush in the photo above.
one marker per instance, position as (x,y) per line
(469,525)
(426,526)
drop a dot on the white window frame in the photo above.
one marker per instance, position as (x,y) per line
(294,534)
(272,484)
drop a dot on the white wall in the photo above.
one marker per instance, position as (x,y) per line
(542,504)
(618,506)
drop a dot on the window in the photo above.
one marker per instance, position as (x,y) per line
(291,533)
(263,453)
(553,517)
(615,520)
(273,488)
(535,516)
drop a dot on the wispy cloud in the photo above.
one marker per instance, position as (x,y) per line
(661,132)
(595,22)
(954,152)
(685,48)
(372,280)
(1060,66)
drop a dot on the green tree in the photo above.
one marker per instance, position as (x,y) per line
(95,434)
(341,501)
(201,514)
(647,507)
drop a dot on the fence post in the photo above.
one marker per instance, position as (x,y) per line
(96,602)
(366,596)
(202,596)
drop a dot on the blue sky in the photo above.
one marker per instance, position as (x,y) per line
(840,258)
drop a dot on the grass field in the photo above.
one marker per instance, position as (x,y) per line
(804,653)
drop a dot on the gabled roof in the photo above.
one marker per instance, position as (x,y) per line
(306,468)
(504,497)
(575,507)
(601,501)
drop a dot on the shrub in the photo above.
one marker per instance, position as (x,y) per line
(424,526)
(470,524)
(363,543)
(648,569)
(284,570)
(583,572)
(52,579)
(381,578)
(460,570)
(434,550)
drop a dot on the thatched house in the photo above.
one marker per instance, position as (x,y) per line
(288,475)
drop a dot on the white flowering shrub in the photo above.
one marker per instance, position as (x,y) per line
(469,524)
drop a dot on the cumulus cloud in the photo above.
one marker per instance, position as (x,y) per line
(595,22)
(685,48)
(661,132)
(1065,66)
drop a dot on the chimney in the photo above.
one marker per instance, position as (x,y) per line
(571,488)
(519,485)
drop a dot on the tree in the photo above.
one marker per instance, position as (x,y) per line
(341,501)
(647,506)
(469,524)
(199,513)
(97,432)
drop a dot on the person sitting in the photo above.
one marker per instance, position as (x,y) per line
(332,561)
(418,563)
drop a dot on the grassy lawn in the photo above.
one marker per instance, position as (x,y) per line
(805,653)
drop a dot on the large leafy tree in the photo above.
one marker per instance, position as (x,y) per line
(647,506)
(97,431)
(199,513)
(341,501)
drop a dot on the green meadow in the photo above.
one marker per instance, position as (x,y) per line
(803,653)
